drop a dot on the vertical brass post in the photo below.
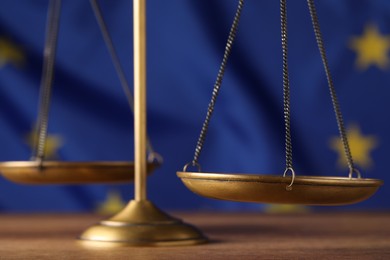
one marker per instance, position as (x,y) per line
(141,223)
(139,31)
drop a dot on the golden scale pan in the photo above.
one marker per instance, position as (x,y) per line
(41,171)
(62,172)
(308,190)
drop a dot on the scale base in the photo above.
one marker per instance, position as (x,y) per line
(141,223)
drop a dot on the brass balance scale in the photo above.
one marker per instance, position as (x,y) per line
(141,223)
(309,190)
(41,171)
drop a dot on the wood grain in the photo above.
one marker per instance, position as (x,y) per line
(233,236)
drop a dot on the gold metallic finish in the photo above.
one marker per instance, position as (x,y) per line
(308,190)
(60,172)
(139,31)
(142,224)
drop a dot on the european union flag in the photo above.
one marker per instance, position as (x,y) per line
(90,119)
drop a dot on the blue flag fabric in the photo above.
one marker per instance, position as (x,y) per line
(90,119)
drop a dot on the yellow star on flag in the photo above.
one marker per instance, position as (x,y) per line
(360,145)
(286,208)
(9,53)
(371,48)
(53,144)
(113,204)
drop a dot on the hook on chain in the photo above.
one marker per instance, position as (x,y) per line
(289,187)
(154,157)
(354,170)
(194,164)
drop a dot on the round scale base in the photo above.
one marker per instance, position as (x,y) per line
(141,224)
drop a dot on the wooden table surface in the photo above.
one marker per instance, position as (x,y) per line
(233,236)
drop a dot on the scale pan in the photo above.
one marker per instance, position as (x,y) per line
(62,172)
(308,190)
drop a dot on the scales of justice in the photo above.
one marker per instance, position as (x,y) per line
(141,223)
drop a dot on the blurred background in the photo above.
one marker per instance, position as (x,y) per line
(90,118)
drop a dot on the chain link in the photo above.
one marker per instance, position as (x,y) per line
(52,25)
(218,82)
(286,85)
(335,102)
(153,156)
(48,68)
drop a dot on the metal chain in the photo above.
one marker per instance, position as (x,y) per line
(218,82)
(52,25)
(119,70)
(336,106)
(111,49)
(286,86)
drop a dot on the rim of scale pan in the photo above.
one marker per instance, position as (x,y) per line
(308,190)
(70,172)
